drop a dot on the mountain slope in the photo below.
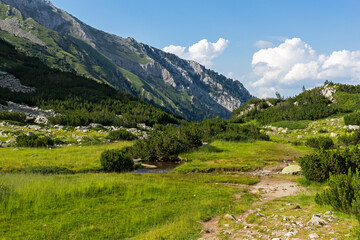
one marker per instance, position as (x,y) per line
(79,100)
(183,87)
(313,104)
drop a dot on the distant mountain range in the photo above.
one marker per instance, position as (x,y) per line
(39,29)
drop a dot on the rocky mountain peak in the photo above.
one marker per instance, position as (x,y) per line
(181,86)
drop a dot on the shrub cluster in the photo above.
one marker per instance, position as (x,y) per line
(164,143)
(350,139)
(343,193)
(318,166)
(116,161)
(121,135)
(33,141)
(320,143)
(352,119)
(13,116)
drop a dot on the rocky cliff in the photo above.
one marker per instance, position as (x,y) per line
(180,86)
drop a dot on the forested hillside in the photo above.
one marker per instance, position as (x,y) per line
(79,100)
(317,103)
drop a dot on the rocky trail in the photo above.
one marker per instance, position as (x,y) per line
(267,189)
(284,221)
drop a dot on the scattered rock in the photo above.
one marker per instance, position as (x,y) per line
(313,236)
(291,169)
(11,82)
(10,141)
(289,234)
(354,127)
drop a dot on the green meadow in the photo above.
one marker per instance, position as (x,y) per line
(78,158)
(113,206)
(239,156)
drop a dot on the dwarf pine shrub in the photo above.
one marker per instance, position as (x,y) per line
(116,161)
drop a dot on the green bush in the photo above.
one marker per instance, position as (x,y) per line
(350,139)
(121,135)
(352,119)
(166,142)
(47,170)
(320,143)
(13,116)
(318,166)
(291,125)
(33,141)
(343,193)
(116,161)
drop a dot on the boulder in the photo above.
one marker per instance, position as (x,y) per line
(291,169)
(316,220)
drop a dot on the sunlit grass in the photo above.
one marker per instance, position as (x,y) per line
(77,158)
(113,206)
(239,156)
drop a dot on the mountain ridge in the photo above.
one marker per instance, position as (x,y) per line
(183,87)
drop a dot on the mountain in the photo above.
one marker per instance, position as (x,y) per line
(79,100)
(60,40)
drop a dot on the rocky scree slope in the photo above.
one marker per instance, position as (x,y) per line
(59,39)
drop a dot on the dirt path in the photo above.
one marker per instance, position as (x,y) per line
(269,188)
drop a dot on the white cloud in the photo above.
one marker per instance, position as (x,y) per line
(203,51)
(263,44)
(294,63)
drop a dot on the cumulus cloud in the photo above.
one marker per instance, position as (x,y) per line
(203,51)
(295,63)
(263,44)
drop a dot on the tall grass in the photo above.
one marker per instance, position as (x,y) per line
(76,158)
(115,206)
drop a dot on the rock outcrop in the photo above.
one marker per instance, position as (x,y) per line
(11,82)
(41,116)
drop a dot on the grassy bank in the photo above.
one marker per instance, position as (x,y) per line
(113,206)
(239,156)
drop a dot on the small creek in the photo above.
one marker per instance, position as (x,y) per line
(161,167)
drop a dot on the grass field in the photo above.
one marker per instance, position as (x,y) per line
(239,156)
(76,158)
(113,206)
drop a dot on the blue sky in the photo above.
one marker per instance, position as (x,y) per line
(303,41)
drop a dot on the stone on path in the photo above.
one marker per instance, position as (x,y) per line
(291,169)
